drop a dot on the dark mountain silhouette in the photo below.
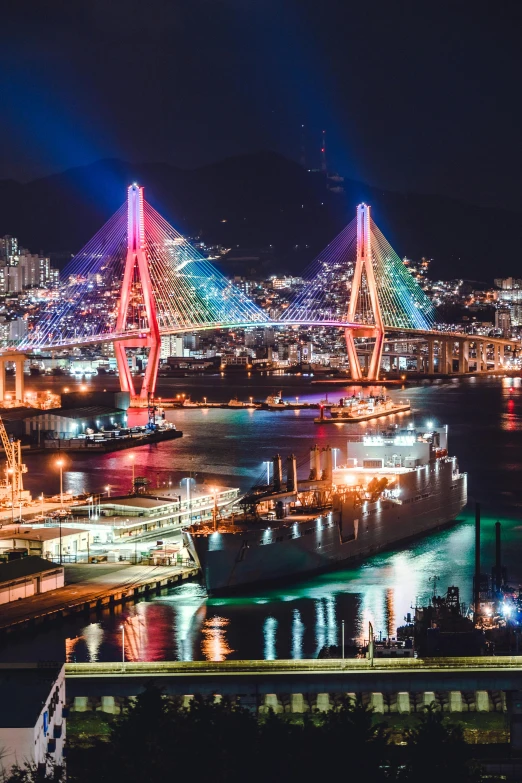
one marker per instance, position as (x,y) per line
(265,200)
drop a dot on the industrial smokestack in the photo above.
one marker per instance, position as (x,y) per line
(327,464)
(476,581)
(291,473)
(278,473)
(315,463)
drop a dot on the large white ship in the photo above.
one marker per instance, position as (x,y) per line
(392,487)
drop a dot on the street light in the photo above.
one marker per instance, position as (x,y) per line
(132,458)
(122,629)
(60,465)
(59,462)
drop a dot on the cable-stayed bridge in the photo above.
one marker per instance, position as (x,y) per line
(139,279)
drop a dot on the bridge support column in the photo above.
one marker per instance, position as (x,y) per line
(18,360)
(463,356)
(431,356)
(445,357)
(455,701)
(80,704)
(364,263)
(481,356)
(124,373)
(355,365)
(496,356)
(137,263)
(429,698)
(481,701)
(376,357)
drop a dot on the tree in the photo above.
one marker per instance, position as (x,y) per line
(436,751)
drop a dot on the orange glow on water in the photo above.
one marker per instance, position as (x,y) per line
(214,645)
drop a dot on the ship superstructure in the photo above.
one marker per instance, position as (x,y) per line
(393,486)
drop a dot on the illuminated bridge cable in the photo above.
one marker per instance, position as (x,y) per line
(327,282)
(189,291)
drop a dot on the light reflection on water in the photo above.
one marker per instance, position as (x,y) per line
(298,619)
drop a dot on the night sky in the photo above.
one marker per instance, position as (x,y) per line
(418,96)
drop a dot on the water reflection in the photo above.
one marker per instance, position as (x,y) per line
(485,433)
(297,635)
(93,637)
(295,622)
(214,644)
(269,634)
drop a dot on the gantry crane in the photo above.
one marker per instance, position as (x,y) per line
(14,468)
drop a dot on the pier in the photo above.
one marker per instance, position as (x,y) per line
(91,588)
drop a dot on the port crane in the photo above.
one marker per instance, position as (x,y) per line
(14,468)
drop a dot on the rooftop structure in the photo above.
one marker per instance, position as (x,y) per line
(32,726)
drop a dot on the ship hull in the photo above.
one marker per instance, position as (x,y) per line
(232,562)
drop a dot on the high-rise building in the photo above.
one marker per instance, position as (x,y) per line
(510,297)
(503,321)
(17,329)
(8,250)
(171,346)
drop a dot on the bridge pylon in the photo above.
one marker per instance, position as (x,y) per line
(364,286)
(137,275)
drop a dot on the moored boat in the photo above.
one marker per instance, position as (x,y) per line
(392,487)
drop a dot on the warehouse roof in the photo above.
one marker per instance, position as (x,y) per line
(37,533)
(138,502)
(25,566)
(85,412)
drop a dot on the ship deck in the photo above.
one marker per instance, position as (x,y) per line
(366,417)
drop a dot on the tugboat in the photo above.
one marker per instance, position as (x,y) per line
(275,402)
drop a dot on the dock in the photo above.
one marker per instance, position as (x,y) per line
(89,589)
(368,417)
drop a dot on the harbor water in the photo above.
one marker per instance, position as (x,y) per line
(229,447)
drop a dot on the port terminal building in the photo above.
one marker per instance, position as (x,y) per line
(112,525)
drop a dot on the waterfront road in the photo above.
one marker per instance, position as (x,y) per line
(89,587)
(299,676)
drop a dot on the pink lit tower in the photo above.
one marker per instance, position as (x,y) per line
(137,276)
